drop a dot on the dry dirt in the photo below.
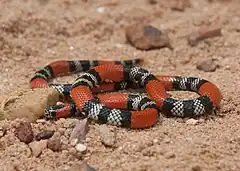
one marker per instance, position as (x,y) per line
(34,33)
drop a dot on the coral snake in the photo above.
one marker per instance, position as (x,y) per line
(123,109)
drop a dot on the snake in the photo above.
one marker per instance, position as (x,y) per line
(127,110)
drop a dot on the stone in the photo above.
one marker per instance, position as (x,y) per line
(37,147)
(3,131)
(54,144)
(207,66)
(191,121)
(180,5)
(81,148)
(146,37)
(28,104)
(203,33)
(196,168)
(81,167)
(152,2)
(24,132)
(107,136)
(44,135)
(169,155)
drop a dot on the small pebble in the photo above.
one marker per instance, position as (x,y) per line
(167,140)
(37,147)
(180,5)
(73,142)
(201,120)
(152,2)
(61,131)
(168,169)
(41,121)
(100,9)
(24,132)
(207,66)
(196,168)
(107,136)
(54,144)
(191,121)
(3,131)
(81,148)
(44,135)
(69,123)
(59,103)
(179,120)
(56,135)
(81,167)
(146,37)
(170,155)
(155,141)
(72,151)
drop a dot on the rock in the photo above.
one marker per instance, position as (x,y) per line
(81,148)
(207,66)
(196,168)
(191,121)
(152,2)
(170,155)
(81,167)
(61,131)
(79,132)
(42,121)
(203,33)
(29,104)
(24,132)
(100,9)
(54,144)
(72,150)
(201,120)
(37,147)
(146,37)
(107,136)
(167,140)
(155,141)
(180,5)
(44,135)
(3,131)
(69,123)
(74,142)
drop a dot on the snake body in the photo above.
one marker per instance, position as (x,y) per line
(124,109)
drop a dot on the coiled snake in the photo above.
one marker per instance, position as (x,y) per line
(123,109)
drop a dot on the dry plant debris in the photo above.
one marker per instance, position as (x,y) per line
(79,132)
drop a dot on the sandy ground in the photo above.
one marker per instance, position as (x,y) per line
(34,33)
